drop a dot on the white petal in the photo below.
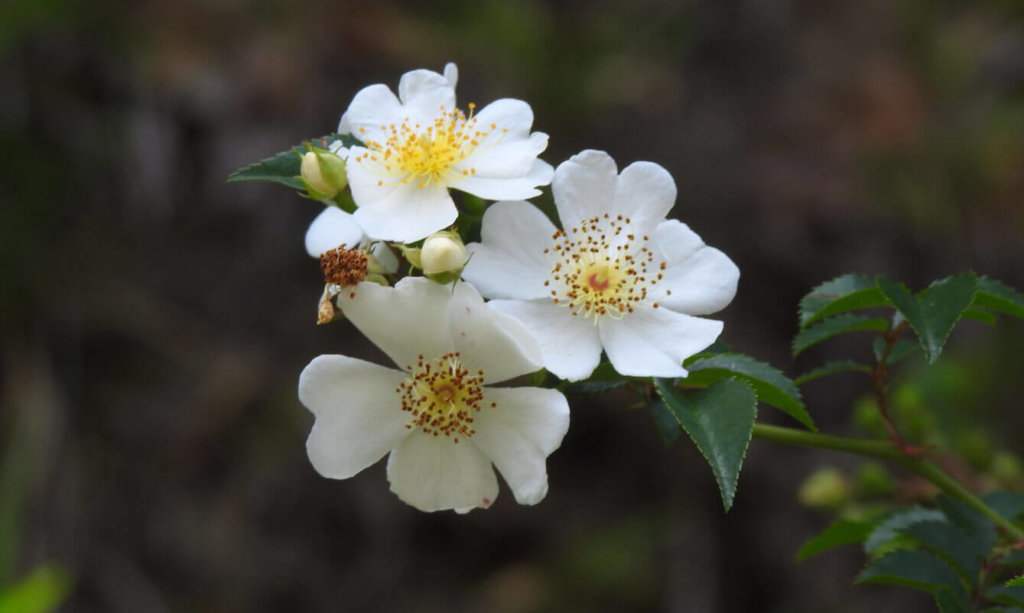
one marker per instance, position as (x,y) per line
(510,117)
(512,157)
(425,95)
(331,229)
(702,279)
(435,474)
(358,414)
(371,108)
(405,321)
(570,346)
(644,193)
(489,341)
(514,188)
(390,210)
(451,74)
(654,342)
(519,432)
(510,262)
(584,187)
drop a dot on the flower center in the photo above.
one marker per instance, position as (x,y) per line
(425,154)
(442,396)
(602,269)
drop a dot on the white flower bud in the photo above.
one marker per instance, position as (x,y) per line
(443,252)
(323,173)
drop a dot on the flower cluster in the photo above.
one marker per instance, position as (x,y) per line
(615,276)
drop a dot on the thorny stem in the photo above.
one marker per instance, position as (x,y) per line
(879,378)
(885,450)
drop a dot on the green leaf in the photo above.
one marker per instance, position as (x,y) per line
(841,532)
(772,387)
(979,315)
(40,592)
(890,527)
(830,369)
(979,530)
(1008,504)
(284,168)
(583,388)
(665,421)
(900,350)
(949,543)
(1013,596)
(999,297)
(719,420)
(839,295)
(840,324)
(934,312)
(1018,582)
(915,569)
(948,602)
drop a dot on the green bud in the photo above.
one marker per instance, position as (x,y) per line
(323,174)
(872,480)
(1006,468)
(825,488)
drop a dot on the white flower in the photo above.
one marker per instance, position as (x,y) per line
(419,144)
(619,277)
(436,416)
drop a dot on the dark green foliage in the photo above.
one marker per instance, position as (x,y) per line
(719,420)
(839,295)
(830,369)
(934,312)
(918,570)
(284,168)
(834,326)
(839,533)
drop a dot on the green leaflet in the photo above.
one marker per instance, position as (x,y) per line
(999,297)
(665,421)
(1008,504)
(839,533)
(900,350)
(934,312)
(949,543)
(830,369)
(284,168)
(918,570)
(891,526)
(772,387)
(719,420)
(841,294)
(980,530)
(834,326)
(1010,595)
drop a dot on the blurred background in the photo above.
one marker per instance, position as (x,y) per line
(154,319)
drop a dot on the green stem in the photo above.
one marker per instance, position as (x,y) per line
(886,451)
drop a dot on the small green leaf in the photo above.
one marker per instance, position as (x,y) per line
(891,526)
(1008,504)
(771,385)
(979,315)
(935,311)
(1013,596)
(830,369)
(999,297)
(840,324)
(719,420)
(665,422)
(915,569)
(41,591)
(1018,582)
(839,295)
(839,533)
(949,543)
(980,531)
(284,168)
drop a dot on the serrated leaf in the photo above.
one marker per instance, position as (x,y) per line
(1008,504)
(285,167)
(979,530)
(914,569)
(890,527)
(720,421)
(934,312)
(664,421)
(830,369)
(949,543)
(999,297)
(839,295)
(839,533)
(772,387)
(948,602)
(1010,595)
(834,326)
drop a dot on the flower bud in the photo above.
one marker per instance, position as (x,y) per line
(825,488)
(323,173)
(443,252)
